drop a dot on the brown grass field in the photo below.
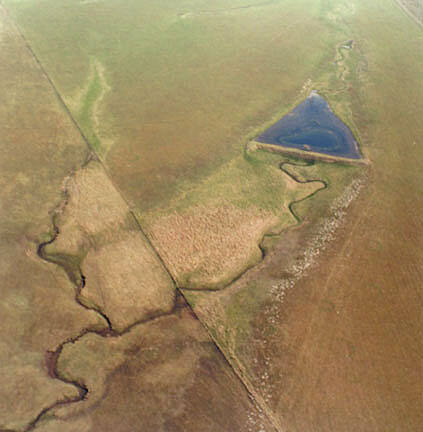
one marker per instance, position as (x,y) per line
(160,274)
(338,347)
(42,153)
(165,372)
(99,239)
(209,237)
(39,146)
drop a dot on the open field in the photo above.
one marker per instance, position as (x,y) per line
(66,235)
(98,240)
(339,347)
(184,90)
(129,185)
(170,102)
(39,146)
(209,237)
(164,375)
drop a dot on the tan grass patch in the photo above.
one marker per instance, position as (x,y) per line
(211,235)
(93,206)
(93,200)
(124,277)
(127,281)
(209,245)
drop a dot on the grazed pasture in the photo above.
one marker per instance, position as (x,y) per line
(323,333)
(169,101)
(338,347)
(61,216)
(184,91)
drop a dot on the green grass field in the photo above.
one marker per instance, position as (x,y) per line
(169,99)
(184,91)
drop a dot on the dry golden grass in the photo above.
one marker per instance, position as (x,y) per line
(211,235)
(208,245)
(92,206)
(93,202)
(124,277)
(127,281)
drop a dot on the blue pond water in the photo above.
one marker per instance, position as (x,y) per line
(312,126)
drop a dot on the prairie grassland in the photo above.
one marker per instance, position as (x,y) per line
(188,85)
(169,362)
(41,151)
(211,235)
(188,81)
(168,95)
(339,348)
(99,239)
(39,146)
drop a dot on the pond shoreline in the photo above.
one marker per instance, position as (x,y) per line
(304,154)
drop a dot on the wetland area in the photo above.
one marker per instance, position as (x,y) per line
(312,126)
(169,265)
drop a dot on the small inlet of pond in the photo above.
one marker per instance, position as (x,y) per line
(313,127)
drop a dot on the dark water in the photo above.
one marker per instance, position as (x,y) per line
(312,126)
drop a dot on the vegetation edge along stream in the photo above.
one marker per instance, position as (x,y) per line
(291,205)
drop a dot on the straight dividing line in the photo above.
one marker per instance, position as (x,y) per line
(250,391)
(408,12)
(257,400)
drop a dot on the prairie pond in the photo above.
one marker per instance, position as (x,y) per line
(312,126)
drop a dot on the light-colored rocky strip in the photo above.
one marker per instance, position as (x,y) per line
(325,233)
